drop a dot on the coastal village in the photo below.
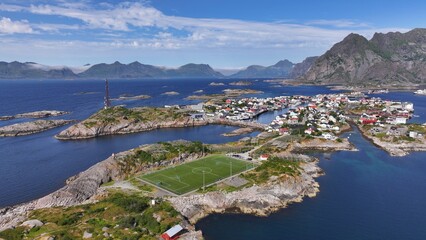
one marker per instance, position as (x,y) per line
(320,116)
(229,120)
(273,162)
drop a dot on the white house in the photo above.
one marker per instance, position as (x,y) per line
(400,120)
(414,134)
(328,136)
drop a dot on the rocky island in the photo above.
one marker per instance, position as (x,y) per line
(283,179)
(120,120)
(131,97)
(286,181)
(37,114)
(171,93)
(275,172)
(84,188)
(239,131)
(241,83)
(27,128)
(276,177)
(397,141)
(276,193)
(216,84)
(227,93)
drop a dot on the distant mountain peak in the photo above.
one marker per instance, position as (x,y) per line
(388,58)
(31,70)
(139,70)
(280,69)
(284,63)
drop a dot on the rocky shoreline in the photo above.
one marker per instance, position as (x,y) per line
(337,87)
(258,200)
(227,93)
(37,114)
(131,97)
(238,132)
(81,188)
(123,126)
(324,145)
(263,199)
(397,149)
(241,83)
(27,128)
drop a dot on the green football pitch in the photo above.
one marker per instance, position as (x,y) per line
(196,174)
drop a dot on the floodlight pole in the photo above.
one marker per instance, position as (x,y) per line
(231,169)
(204,181)
(202,144)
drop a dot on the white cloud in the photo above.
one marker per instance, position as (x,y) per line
(205,32)
(7,26)
(118,18)
(124,27)
(340,23)
(11,8)
(49,27)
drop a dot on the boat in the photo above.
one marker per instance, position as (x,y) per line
(378,91)
(420,92)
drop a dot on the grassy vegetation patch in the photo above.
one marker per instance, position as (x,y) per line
(121,216)
(160,152)
(146,114)
(274,166)
(270,149)
(417,128)
(193,175)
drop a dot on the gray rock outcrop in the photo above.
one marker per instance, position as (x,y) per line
(32,223)
(37,114)
(123,126)
(258,200)
(28,128)
(391,58)
(80,188)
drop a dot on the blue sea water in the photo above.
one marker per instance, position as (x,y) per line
(364,195)
(33,166)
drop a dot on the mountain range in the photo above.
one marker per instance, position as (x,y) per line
(137,70)
(116,70)
(387,59)
(280,69)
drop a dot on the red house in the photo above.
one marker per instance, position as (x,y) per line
(284,131)
(368,121)
(172,233)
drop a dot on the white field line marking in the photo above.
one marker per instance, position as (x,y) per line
(163,189)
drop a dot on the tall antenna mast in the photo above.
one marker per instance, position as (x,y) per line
(107,102)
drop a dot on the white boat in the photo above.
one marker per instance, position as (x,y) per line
(420,92)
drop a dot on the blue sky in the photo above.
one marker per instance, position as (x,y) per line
(222,33)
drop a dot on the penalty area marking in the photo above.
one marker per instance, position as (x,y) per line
(201,170)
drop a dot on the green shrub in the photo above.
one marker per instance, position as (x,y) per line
(64,235)
(274,166)
(70,219)
(129,202)
(12,234)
